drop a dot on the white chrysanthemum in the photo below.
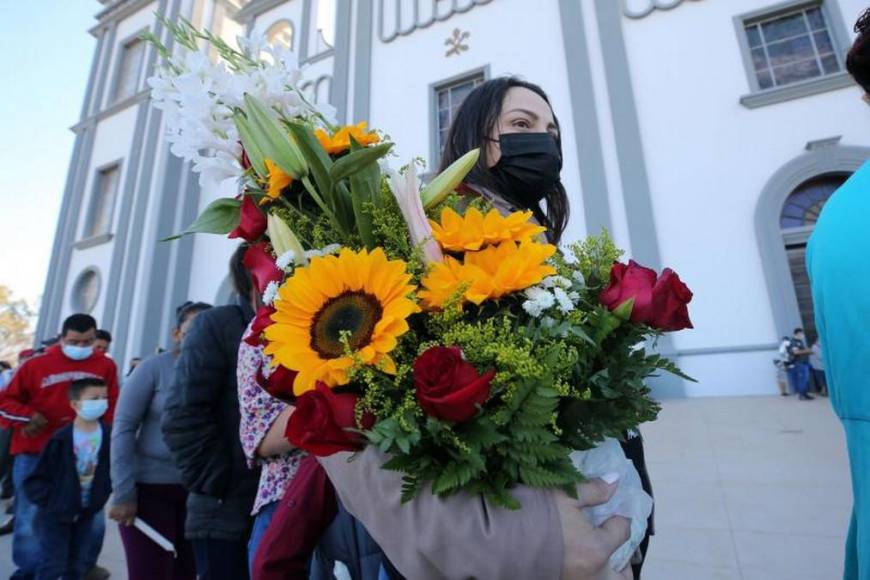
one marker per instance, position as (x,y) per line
(285,259)
(565,303)
(270,293)
(539,300)
(556,282)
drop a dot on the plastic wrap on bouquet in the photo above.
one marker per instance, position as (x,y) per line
(629,501)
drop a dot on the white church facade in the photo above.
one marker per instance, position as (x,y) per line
(705,135)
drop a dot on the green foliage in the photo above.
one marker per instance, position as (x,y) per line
(220,217)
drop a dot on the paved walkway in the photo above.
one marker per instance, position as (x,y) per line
(746,489)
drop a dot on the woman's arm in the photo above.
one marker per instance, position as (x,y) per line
(263,417)
(133,403)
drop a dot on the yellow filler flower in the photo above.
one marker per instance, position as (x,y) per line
(278,181)
(361,295)
(340,142)
(473,231)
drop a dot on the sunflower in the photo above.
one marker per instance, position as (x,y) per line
(491,273)
(360,295)
(278,182)
(340,142)
(472,231)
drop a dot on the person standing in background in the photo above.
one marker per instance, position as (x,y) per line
(146,483)
(103,342)
(817,364)
(201,429)
(798,367)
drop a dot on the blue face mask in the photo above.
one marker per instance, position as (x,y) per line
(93,409)
(77,352)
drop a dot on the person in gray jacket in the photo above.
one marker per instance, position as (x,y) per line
(146,483)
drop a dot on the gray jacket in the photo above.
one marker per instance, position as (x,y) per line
(139,453)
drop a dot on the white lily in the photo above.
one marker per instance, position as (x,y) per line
(406,190)
(283,239)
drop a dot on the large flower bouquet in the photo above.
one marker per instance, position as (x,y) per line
(474,354)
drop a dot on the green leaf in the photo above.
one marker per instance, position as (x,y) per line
(356,160)
(318,161)
(220,217)
(272,140)
(364,189)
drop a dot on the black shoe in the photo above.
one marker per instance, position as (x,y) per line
(807,397)
(784,394)
(97,573)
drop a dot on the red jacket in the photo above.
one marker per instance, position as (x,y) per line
(41,384)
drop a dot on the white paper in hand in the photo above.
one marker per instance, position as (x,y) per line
(155,536)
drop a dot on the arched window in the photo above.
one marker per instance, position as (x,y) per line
(803,206)
(281,33)
(799,215)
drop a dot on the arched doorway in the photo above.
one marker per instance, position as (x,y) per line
(799,214)
(784,217)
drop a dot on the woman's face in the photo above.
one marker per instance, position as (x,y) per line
(523,111)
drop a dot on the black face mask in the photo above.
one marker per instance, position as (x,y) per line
(529,167)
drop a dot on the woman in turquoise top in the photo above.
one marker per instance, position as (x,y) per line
(840,278)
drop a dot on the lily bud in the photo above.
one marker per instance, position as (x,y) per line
(273,140)
(447,181)
(283,239)
(404,188)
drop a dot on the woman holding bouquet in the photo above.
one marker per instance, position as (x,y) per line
(463,536)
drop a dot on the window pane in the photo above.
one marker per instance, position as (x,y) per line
(784,27)
(443,101)
(765,81)
(787,51)
(128,73)
(101,212)
(753,36)
(796,72)
(458,94)
(759,60)
(830,64)
(823,42)
(817,20)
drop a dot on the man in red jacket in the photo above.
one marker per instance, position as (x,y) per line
(35,405)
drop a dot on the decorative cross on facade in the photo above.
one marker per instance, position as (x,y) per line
(456,42)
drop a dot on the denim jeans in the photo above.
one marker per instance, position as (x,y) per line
(95,547)
(799,377)
(25,546)
(67,546)
(261,524)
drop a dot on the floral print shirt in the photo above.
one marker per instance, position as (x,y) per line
(259,410)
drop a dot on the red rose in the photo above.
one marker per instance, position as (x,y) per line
(245,161)
(279,384)
(659,302)
(449,388)
(320,423)
(671,297)
(261,265)
(252,222)
(261,321)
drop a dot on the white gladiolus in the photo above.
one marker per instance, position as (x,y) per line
(565,303)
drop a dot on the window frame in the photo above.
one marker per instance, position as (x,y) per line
(123,46)
(292,26)
(836,28)
(434,88)
(88,238)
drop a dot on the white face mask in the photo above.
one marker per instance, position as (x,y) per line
(92,409)
(77,352)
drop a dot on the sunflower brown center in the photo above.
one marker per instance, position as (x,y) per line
(354,313)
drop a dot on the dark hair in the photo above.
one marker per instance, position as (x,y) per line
(474,123)
(188,309)
(858,57)
(78,323)
(796,330)
(239,275)
(78,386)
(103,334)
(5,365)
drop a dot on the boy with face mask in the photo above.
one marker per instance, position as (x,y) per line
(70,485)
(35,405)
